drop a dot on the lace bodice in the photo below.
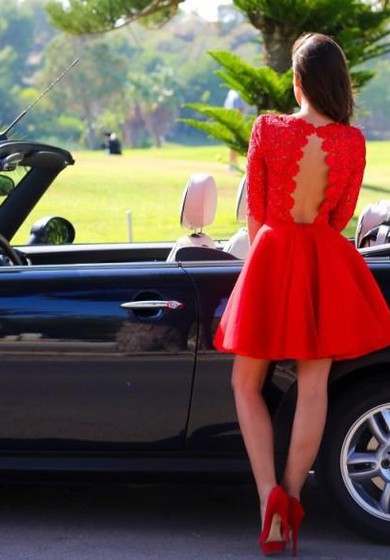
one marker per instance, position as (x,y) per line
(276,148)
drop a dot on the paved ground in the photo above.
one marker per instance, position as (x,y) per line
(164,522)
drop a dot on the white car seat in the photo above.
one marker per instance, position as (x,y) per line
(238,244)
(373,224)
(198,206)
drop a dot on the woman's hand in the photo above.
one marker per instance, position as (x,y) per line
(253,228)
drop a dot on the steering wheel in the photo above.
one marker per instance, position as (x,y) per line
(10,252)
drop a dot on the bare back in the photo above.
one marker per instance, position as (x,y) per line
(303,173)
(310,181)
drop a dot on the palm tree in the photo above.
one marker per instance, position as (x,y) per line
(359,26)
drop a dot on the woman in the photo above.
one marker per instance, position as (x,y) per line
(304,291)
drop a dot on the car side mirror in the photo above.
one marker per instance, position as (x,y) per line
(6,185)
(52,231)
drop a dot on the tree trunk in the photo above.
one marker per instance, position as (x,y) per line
(134,128)
(278,41)
(89,117)
(153,121)
(156,139)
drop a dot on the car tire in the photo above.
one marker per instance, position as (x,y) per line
(353,466)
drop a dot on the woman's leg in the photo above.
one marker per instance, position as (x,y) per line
(309,422)
(248,378)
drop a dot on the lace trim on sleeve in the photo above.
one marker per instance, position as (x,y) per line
(256,172)
(340,215)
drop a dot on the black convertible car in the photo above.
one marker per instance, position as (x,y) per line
(107,362)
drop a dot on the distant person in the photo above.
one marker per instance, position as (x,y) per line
(233,101)
(112,144)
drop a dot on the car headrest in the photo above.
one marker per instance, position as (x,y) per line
(371,216)
(238,244)
(241,210)
(199,202)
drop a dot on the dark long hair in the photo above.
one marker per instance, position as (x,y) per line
(322,67)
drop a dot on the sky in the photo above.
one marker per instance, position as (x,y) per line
(205,8)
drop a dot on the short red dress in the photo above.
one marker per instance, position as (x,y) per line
(304,291)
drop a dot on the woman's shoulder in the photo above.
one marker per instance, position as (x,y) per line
(284,121)
(358,142)
(270,121)
(356,133)
(353,136)
(271,118)
(290,122)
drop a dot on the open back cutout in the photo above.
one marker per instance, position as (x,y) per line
(311,181)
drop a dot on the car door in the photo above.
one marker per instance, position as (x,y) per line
(213,427)
(95,357)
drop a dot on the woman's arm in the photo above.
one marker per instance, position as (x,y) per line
(253,227)
(343,212)
(256,179)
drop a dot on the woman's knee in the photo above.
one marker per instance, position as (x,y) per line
(243,384)
(248,375)
(313,378)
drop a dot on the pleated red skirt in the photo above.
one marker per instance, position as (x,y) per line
(304,293)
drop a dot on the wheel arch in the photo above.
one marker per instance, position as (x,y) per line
(345,376)
(355,396)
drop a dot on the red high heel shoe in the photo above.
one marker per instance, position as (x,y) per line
(296,513)
(275,535)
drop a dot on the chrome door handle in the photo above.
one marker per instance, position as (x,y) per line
(153,304)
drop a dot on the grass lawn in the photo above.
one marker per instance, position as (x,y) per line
(99,190)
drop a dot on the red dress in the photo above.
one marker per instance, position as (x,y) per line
(304,291)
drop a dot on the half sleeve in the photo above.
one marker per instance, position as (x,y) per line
(343,212)
(256,172)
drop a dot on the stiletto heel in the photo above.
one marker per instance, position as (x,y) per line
(296,514)
(275,534)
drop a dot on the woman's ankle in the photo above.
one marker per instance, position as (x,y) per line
(265,491)
(291,489)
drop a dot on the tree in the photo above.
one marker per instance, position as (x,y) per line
(375,101)
(23,33)
(97,82)
(198,83)
(359,26)
(17,29)
(80,17)
(16,37)
(154,97)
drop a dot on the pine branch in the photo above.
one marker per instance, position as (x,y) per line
(79,17)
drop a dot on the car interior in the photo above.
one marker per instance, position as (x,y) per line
(51,238)
(195,246)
